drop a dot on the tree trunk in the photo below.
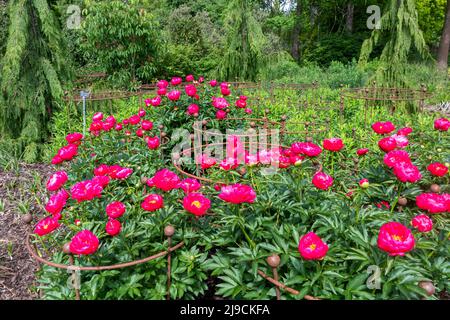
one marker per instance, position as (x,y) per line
(295,49)
(442,59)
(349,17)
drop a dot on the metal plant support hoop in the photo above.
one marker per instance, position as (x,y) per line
(311,128)
(168,231)
(373,96)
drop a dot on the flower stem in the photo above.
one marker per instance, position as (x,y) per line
(241,225)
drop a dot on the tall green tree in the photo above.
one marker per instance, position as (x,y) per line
(33,68)
(242,57)
(444,44)
(123,39)
(399,27)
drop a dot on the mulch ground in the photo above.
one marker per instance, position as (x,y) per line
(21,190)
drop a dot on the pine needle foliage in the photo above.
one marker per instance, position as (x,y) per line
(33,68)
(400,29)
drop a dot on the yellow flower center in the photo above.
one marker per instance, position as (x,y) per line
(152,201)
(45,226)
(196,204)
(312,247)
(397,237)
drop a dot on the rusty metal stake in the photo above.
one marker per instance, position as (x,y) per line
(66,250)
(274,261)
(168,232)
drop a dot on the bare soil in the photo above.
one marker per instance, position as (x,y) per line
(21,191)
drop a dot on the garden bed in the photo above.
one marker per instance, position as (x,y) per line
(17,267)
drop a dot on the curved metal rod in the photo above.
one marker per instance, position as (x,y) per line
(284,287)
(98,268)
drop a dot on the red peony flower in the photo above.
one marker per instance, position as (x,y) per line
(57,202)
(228,164)
(98,116)
(248,111)
(241,103)
(220,115)
(96,126)
(113,227)
(193,109)
(401,141)
(86,190)
(237,193)
(57,160)
(206,162)
(161,91)
(134,119)
(387,144)
(422,222)
(433,202)
(84,242)
(101,180)
(119,173)
(152,142)
(189,185)
(296,160)
(57,180)
(407,172)
(442,124)
(174,95)
(156,101)
(220,103)
(162,84)
(396,156)
(68,152)
(306,148)
(152,202)
(225,91)
(190,78)
(74,137)
(395,238)
(362,152)
(196,203)
(364,183)
(139,133)
(165,180)
(112,120)
(118,127)
(333,144)
(101,170)
(115,209)
(213,83)
(383,127)
(437,169)
(311,247)
(176,81)
(322,181)
(146,125)
(191,90)
(405,131)
(46,225)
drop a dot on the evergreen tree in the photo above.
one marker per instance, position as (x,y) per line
(400,24)
(244,43)
(33,66)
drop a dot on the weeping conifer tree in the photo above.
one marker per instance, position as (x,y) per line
(400,25)
(243,56)
(33,68)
